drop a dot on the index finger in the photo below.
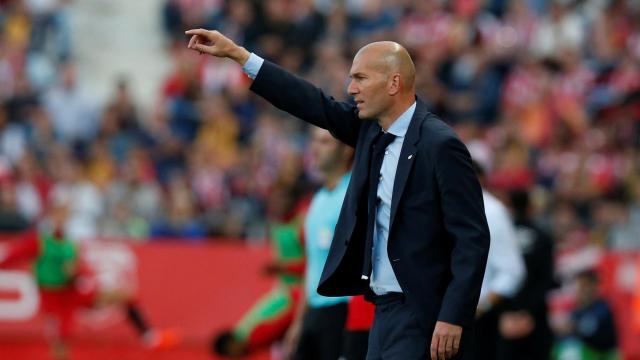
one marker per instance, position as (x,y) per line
(201,32)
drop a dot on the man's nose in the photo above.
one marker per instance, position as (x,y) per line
(352,89)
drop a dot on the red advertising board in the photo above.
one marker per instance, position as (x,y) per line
(199,289)
(195,289)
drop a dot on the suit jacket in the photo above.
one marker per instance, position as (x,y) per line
(438,233)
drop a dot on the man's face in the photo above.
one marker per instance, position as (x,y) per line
(586,290)
(368,86)
(325,150)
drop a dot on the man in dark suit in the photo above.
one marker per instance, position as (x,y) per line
(412,234)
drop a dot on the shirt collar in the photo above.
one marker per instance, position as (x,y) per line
(400,126)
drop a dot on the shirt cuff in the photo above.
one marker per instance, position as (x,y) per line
(253,65)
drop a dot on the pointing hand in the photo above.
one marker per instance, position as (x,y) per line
(212,42)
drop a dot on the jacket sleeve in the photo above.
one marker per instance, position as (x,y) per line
(302,99)
(466,227)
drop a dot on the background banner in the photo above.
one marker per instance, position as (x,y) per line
(195,289)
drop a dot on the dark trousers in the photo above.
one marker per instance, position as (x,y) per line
(322,329)
(486,335)
(355,345)
(396,333)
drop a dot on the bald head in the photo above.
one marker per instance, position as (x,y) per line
(382,82)
(390,58)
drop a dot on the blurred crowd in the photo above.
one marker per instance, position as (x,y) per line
(546,94)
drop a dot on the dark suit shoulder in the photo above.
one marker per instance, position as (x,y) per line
(437,133)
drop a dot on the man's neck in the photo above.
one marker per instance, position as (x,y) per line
(387,120)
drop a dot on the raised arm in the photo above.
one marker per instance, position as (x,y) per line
(284,90)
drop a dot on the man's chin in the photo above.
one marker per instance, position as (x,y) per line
(362,116)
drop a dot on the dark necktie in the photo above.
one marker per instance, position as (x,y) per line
(379,147)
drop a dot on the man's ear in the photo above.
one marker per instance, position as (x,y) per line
(394,84)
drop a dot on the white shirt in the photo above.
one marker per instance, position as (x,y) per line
(383,279)
(73,116)
(86,208)
(505,270)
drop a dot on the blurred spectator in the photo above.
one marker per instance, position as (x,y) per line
(218,135)
(511,167)
(137,185)
(427,24)
(32,187)
(73,116)
(504,274)
(211,188)
(16,28)
(166,150)
(524,101)
(121,223)
(178,15)
(178,218)
(24,98)
(133,200)
(239,19)
(11,220)
(40,134)
(563,28)
(309,25)
(613,225)
(100,164)
(524,328)
(12,138)
(73,189)
(120,127)
(591,327)
(373,20)
(50,20)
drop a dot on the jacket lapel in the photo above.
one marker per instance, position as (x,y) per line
(361,173)
(373,130)
(407,157)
